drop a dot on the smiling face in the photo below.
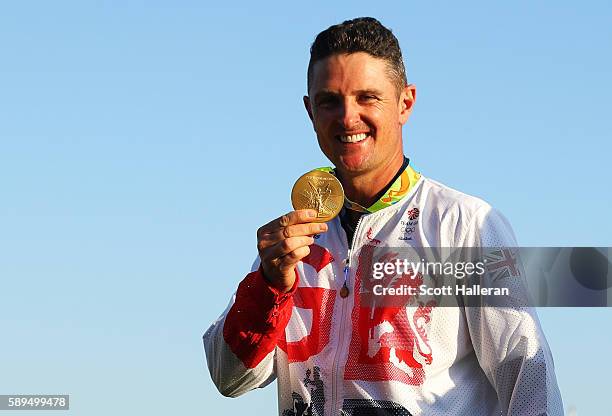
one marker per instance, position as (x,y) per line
(358,114)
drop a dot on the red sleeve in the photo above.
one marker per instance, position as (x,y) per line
(257,318)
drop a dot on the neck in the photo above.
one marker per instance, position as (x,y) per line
(364,188)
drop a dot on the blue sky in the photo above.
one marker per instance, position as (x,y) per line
(143,143)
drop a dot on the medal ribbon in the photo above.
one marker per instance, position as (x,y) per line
(398,189)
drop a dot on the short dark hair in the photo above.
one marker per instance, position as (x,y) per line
(363,34)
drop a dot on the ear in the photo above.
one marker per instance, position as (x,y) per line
(406,102)
(308,107)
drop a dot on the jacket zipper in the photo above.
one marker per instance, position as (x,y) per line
(337,378)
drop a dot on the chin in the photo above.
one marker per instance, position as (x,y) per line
(352,167)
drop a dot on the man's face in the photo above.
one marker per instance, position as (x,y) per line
(357,114)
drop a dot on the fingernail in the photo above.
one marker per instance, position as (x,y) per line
(323,227)
(311,213)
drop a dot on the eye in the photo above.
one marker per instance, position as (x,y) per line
(327,102)
(368,98)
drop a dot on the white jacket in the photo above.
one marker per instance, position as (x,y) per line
(334,356)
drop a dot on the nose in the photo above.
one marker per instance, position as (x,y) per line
(349,113)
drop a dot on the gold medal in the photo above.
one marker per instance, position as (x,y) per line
(320,191)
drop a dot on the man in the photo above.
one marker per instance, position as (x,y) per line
(299,315)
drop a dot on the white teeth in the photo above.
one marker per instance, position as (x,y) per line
(353,138)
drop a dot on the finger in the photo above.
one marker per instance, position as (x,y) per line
(309,229)
(289,260)
(285,246)
(294,217)
(299,230)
